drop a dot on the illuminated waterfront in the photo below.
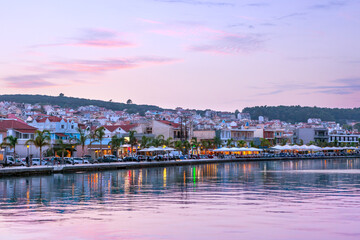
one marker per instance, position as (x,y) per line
(307,199)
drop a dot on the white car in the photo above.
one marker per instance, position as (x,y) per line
(36,162)
(78,160)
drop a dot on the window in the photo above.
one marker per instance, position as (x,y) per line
(72,126)
(26,136)
(62,126)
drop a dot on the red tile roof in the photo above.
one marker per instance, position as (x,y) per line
(128,127)
(51,119)
(175,125)
(60,134)
(16,125)
(111,128)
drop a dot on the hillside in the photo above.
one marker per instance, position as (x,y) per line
(301,114)
(73,102)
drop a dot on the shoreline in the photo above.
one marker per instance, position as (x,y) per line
(48,170)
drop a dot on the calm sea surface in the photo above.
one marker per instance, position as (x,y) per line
(312,199)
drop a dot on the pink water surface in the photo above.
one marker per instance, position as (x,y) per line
(312,199)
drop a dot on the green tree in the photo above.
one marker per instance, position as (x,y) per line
(42,139)
(241,143)
(178,145)
(11,142)
(206,144)
(229,142)
(347,127)
(195,145)
(169,142)
(186,146)
(145,142)
(265,143)
(132,140)
(99,136)
(62,149)
(217,142)
(81,140)
(62,154)
(158,141)
(116,143)
(284,141)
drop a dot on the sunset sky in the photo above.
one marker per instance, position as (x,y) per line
(223,55)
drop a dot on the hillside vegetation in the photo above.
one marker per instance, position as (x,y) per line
(72,102)
(302,114)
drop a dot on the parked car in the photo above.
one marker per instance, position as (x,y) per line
(16,162)
(110,158)
(36,162)
(68,160)
(130,159)
(90,160)
(142,158)
(78,160)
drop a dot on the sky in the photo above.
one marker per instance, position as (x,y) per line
(203,54)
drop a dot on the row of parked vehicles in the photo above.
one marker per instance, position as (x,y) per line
(49,161)
(10,161)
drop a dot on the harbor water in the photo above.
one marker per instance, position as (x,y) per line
(296,199)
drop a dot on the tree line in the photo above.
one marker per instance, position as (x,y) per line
(295,114)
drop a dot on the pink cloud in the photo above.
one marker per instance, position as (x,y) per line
(28,81)
(50,74)
(97,66)
(103,38)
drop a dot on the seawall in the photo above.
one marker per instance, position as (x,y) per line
(43,170)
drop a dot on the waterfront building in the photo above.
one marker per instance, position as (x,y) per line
(242,134)
(170,129)
(204,134)
(274,134)
(311,134)
(20,130)
(59,128)
(346,138)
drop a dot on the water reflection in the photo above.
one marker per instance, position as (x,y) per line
(258,190)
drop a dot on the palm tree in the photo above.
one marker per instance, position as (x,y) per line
(217,142)
(145,141)
(186,146)
(284,141)
(81,140)
(195,144)
(116,143)
(229,142)
(41,140)
(206,144)
(265,142)
(62,149)
(10,141)
(178,145)
(132,140)
(169,142)
(158,141)
(241,143)
(99,136)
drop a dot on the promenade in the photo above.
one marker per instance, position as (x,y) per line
(43,170)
